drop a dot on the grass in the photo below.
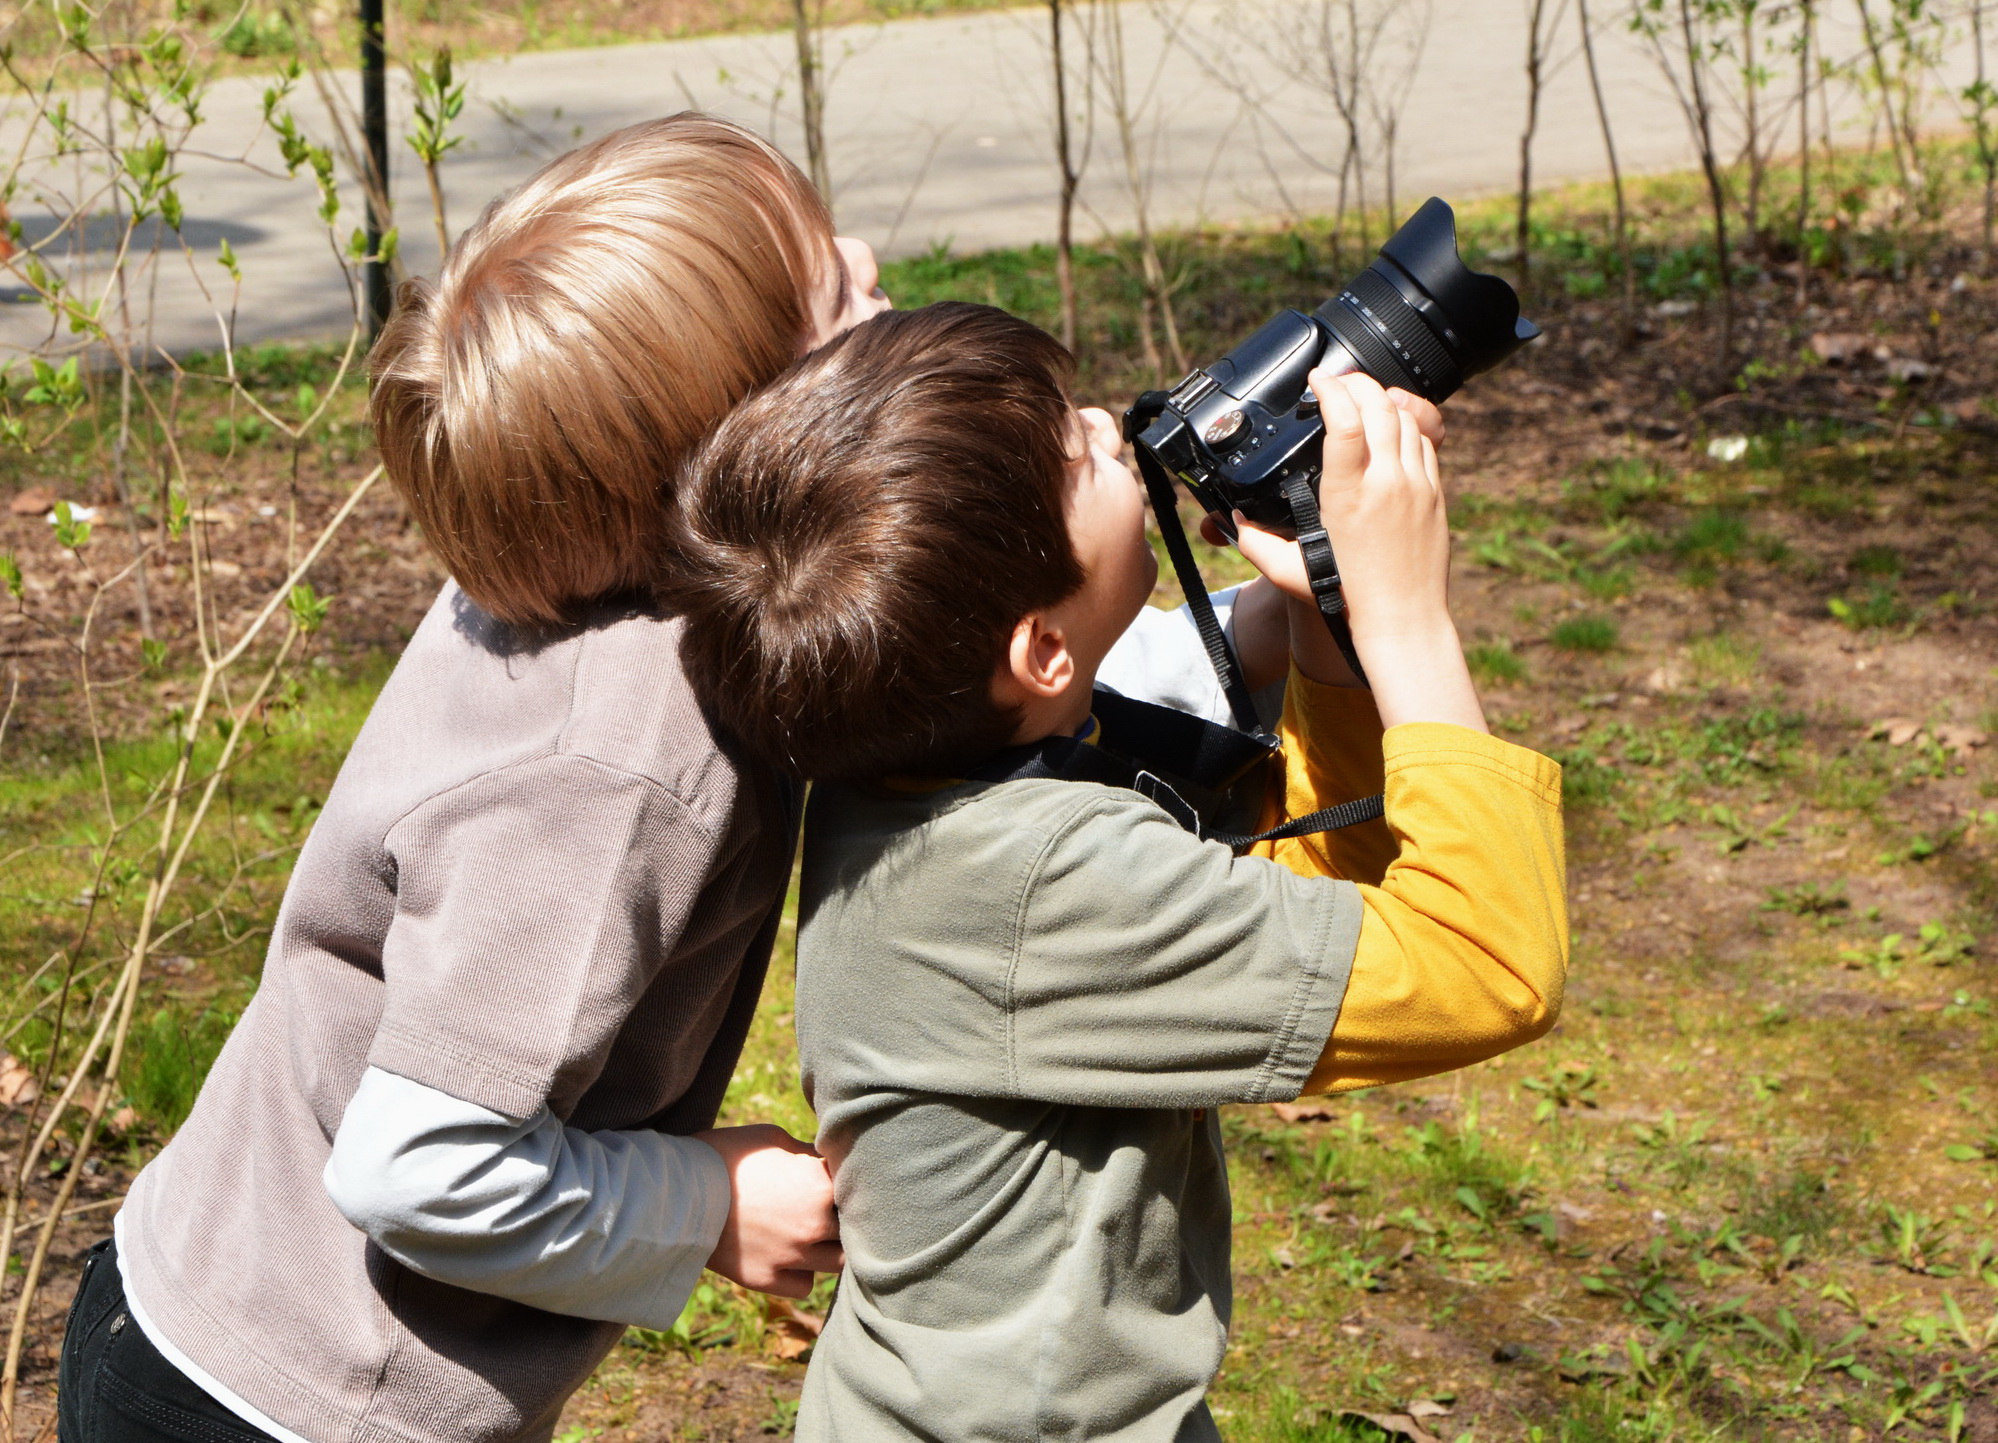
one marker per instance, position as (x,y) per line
(1495,663)
(1595,634)
(212,941)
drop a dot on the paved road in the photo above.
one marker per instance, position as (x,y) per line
(939,135)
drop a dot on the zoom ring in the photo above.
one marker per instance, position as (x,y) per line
(1391,339)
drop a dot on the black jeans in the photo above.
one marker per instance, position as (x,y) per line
(115,1387)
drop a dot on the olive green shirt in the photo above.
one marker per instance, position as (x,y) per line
(1018,1004)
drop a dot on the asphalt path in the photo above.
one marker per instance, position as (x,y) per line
(939,135)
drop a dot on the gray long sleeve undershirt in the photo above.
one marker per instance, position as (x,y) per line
(609,1225)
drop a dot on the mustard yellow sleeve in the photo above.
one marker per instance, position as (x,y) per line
(1463,950)
(1331,754)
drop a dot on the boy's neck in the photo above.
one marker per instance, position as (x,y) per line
(1062,716)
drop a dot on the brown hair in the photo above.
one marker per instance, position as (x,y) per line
(533,402)
(861,537)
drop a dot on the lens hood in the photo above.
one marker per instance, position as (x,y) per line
(1476,314)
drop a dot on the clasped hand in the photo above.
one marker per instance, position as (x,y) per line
(782,1226)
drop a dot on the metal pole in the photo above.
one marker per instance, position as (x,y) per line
(374,134)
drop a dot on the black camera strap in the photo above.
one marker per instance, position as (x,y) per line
(1241,703)
(1322,567)
(1199,774)
(1319,562)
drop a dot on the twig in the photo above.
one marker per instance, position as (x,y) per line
(80,1209)
(7,717)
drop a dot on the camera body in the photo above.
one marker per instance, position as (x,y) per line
(1238,432)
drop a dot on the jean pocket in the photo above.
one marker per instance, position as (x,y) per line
(129,1414)
(95,1262)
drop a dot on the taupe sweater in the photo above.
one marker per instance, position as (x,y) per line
(537,881)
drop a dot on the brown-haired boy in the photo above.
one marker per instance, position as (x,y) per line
(1019,1001)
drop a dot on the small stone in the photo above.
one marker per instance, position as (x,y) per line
(1508,1353)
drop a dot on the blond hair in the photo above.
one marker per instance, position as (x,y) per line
(589,330)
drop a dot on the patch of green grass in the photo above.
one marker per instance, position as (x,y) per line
(1724,659)
(1467,1166)
(1606,583)
(1879,608)
(1809,899)
(1589,633)
(1713,535)
(1588,779)
(1599,1414)
(1615,488)
(1874,561)
(1796,1204)
(170,1053)
(219,918)
(1495,663)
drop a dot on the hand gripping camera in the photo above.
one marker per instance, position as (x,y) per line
(1244,434)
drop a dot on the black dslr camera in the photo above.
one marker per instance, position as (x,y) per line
(1237,431)
(1244,434)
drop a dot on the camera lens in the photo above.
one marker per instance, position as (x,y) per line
(1419,318)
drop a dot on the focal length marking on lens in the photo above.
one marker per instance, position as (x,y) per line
(1381,329)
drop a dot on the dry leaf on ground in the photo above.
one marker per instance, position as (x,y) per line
(1897,731)
(35,501)
(1959,738)
(1395,1425)
(1843,348)
(1304,1111)
(792,1329)
(17,1082)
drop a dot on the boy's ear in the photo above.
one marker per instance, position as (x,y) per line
(1039,664)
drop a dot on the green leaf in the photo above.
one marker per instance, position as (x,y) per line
(55,385)
(176,516)
(10,573)
(225,256)
(70,534)
(308,607)
(154,652)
